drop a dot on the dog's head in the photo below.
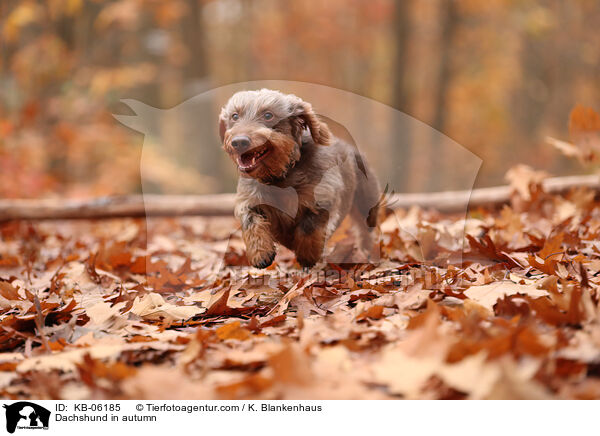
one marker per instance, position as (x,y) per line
(262,132)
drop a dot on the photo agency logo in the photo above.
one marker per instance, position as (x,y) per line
(25,415)
(328,161)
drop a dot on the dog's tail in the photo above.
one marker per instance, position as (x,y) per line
(387,200)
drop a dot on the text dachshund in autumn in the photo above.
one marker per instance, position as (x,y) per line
(297,181)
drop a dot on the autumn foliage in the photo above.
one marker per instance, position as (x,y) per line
(497,77)
(501,303)
(167,308)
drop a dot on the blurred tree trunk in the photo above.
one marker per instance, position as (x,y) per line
(530,96)
(190,132)
(566,66)
(448,26)
(549,69)
(4,49)
(194,33)
(400,134)
(206,155)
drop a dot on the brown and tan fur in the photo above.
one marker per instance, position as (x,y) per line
(304,186)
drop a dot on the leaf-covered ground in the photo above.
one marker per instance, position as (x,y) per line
(167,309)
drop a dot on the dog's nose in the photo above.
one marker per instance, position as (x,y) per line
(240,143)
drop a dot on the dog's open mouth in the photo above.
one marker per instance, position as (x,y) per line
(249,160)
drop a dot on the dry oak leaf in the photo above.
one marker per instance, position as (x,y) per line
(583,347)
(101,312)
(488,295)
(165,383)
(569,150)
(153,306)
(291,366)
(233,330)
(109,349)
(584,130)
(523,178)
(551,254)
(373,312)
(407,375)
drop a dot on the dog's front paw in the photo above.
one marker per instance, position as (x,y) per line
(262,260)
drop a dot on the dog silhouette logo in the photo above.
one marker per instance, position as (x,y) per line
(26,415)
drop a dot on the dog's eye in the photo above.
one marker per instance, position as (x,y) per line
(235,116)
(268,116)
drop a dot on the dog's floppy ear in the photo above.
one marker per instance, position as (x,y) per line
(318,129)
(222,128)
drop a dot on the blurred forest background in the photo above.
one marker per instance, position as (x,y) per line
(496,76)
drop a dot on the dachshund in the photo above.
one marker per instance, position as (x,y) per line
(297,181)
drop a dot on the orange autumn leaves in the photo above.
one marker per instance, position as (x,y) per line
(104,309)
(584,131)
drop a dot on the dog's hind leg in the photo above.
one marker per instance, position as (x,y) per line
(309,237)
(366,237)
